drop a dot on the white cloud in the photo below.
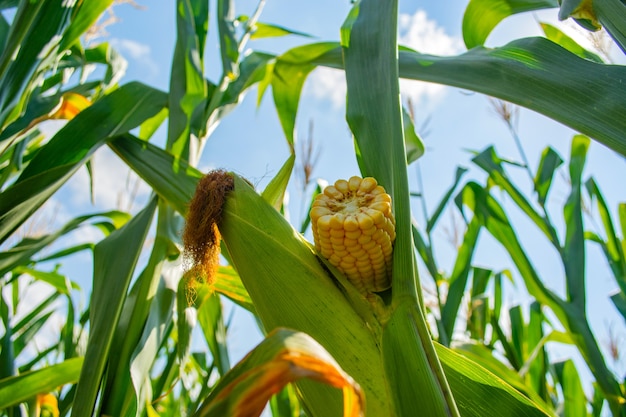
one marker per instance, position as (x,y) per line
(139,52)
(327,84)
(416,31)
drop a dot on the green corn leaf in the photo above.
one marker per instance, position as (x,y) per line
(71,147)
(114,262)
(483,357)
(211,320)
(285,403)
(574,401)
(4,32)
(412,142)
(491,164)
(8,367)
(254,68)
(479,311)
(426,253)
(320,184)
(538,366)
(37,25)
(619,300)
(17,389)
(84,16)
(274,192)
(188,89)
(493,217)
(229,285)
(22,253)
(60,282)
(518,336)
(434,218)
(613,249)
(34,327)
(557,36)
(482,16)
(229,46)
(548,79)
(459,276)
(151,163)
(570,315)
(261,30)
(548,164)
(103,54)
(146,349)
(470,381)
(573,252)
(26,328)
(139,332)
(290,72)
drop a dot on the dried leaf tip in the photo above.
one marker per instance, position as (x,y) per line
(201,237)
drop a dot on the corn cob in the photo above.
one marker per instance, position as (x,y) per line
(354,229)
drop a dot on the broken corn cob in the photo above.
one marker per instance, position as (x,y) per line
(354,228)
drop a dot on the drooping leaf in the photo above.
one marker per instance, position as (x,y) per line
(482,16)
(548,79)
(174,180)
(284,356)
(290,72)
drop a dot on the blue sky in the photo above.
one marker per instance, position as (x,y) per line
(250,140)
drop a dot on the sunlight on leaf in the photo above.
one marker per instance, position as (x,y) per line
(285,356)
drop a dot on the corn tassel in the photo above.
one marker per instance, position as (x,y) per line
(354,229)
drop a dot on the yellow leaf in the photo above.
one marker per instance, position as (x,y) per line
(70,105)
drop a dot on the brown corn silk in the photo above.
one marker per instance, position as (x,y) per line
(201,237)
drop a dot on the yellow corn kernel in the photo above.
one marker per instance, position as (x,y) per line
(354,228)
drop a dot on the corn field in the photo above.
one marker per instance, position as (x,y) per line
(347,330)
